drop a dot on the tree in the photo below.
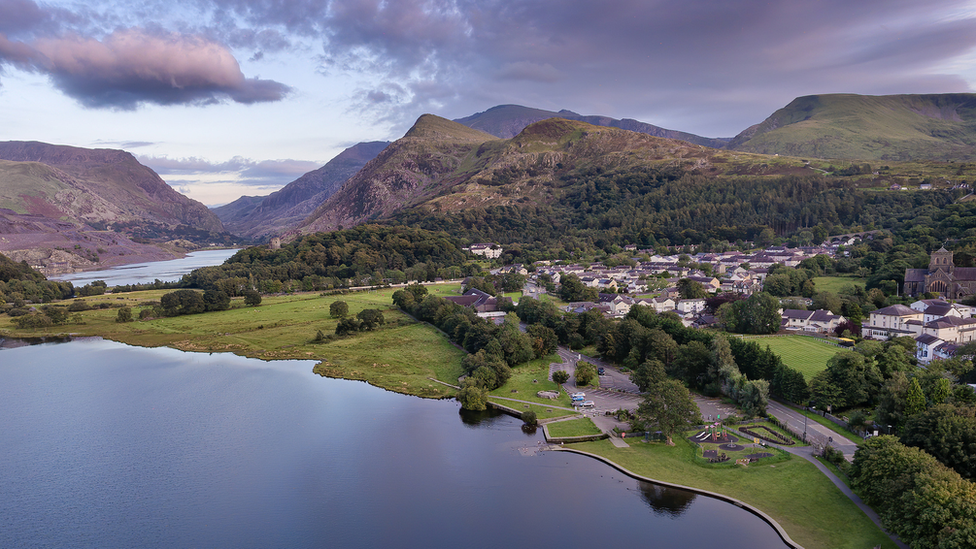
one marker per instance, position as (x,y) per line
(759,314)
(370,318)
(124,315)
(338,309)
(560,376)
(915,399)
(544,340)
(529,418)
(670,405)
(347,326)
(215,300)
(252,298)
(648,374)
(472,396)
(948,433)
(691,289)
(585,373)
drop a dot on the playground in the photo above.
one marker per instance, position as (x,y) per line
(719,445)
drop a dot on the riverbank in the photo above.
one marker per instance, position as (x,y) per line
(404,355)
(811,510)
(399,356)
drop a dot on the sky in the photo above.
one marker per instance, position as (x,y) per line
(225,98)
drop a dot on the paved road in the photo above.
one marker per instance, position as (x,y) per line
(816,433)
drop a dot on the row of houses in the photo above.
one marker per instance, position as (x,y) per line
(938,327)
(729,272)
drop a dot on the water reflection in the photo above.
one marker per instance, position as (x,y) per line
(15,342)
(479,420)
(666,501)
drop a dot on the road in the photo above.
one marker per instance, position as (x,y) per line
(816,433)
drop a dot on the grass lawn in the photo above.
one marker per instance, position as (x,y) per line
(573,428)
(398,356)
(807,354)
(836,283)
(530,378)
(800,498)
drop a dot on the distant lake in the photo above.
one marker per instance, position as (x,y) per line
(106,445)
(141,273)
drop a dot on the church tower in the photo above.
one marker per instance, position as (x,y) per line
(941,260)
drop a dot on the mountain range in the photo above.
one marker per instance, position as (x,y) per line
(506,156)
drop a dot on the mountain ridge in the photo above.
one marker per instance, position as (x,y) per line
(258,217)
(939,127)
(507,121)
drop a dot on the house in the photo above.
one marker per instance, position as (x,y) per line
(480,301)
(486,249)
(819,321)
(690,306)
(893,321)
(619,305)
(938,308)
(925,346)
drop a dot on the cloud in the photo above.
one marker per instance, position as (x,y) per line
(243,171)
(131,67)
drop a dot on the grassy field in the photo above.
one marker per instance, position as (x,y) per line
(837,283)
(398,356)
(573,428)
(527,380)
(800,498)
(807,354)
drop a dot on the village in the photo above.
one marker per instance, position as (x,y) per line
(939,326)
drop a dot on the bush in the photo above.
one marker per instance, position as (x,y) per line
(529,417)
(338,309)
(145,314)
(125,315)
(252,298)
(560,376)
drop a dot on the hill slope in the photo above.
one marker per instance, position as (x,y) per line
(105,186)
(441,166)
(431,157)
(257,217)
(507,121)
(845,126)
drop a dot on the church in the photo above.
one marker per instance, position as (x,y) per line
(942,278)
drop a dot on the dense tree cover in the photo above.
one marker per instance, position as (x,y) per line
(188,302)
(361,255)
(19,283)
(757,314)
(922,501)
(647,342)
(597,209)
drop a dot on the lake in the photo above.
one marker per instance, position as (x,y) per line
(143,273)
(107,445)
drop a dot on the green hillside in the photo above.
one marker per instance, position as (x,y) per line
(27,185)
(880,128)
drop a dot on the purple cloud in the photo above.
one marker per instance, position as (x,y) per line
(131,67)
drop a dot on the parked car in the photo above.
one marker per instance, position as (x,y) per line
(588,404)
(600,371)
(581,395)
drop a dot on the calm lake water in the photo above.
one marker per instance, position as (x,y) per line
(142,273)
(106,445)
